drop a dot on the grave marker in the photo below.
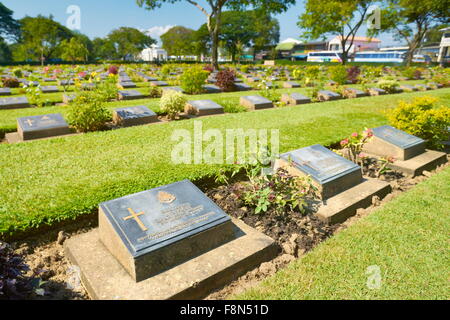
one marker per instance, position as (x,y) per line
(153,231)
(326,95)
(203,108)
(256,102)
(43,126)
(133,116)
(295,99)
(14,103)
(130,95)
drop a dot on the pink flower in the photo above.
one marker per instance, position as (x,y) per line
(362,155)
(82,74)
(391,159)
(344,142)
(369,133)
(355,134)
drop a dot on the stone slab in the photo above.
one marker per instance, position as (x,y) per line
(352,93)
(105,279)
(14,103)
(5,91)
(43,126)
(388,141)
(423,87)
(211,88)
(127,84)
(242,86)
(376,91)
(49,89)
(295,99)
(130,95)
(326,95)
(426,161)
(177,89)
(152,231)
(203,107)
(408,88)
(256,102)
(331,173)
(159,83)
(340,207)
(134,116)
(291,84)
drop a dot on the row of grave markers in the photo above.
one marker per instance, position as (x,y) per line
(174,242)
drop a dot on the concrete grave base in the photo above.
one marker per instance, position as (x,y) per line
(105,279)
(426,161)
(345,204)
(14,137)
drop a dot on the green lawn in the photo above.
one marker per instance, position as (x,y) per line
(56,179)
(407,239)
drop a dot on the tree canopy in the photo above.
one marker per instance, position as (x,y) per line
(129,41)
(9,27)
(179,41)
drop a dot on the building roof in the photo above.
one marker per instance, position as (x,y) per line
(357,38)
(286,46)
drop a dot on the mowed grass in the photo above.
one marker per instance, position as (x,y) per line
(230,102)
(61,178)
(407,239)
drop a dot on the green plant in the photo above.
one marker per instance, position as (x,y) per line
(107,90)
(391,86)
(383,165)
(10,83)
(193,79)
(155,92)
(87,112)
(225,80)
(354,144)
(172,102)
(338,74)
(280,191)
(268,92)
(423,119)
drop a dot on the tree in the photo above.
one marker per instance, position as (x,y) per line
(341,18)
(103,49)
(9,27)
(41,37)
(74,50)
(410,20)
(179,41)
(129,41)
(240,29)
(5,52)
(434,35)
(267,31)
(214,14)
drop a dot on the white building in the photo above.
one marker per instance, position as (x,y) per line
(444,50)
(154,54)
(359,44)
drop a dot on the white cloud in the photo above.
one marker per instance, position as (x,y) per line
(157,31)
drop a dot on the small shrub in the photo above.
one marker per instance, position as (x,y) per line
(232,106)
(10,83)
(107,89)
(353,74)
(208,68)
(338,74)
(442,79)
(172,102)
(193,79)
(113,70)
(423,119)
(244,68)
(354,145)
(391,86)
(87,112)
(225,80)
(155,92)
(17,73)
(281,192)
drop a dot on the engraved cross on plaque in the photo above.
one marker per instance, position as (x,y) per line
(30,122)
(135,216)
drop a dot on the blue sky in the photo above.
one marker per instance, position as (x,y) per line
(99,17)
